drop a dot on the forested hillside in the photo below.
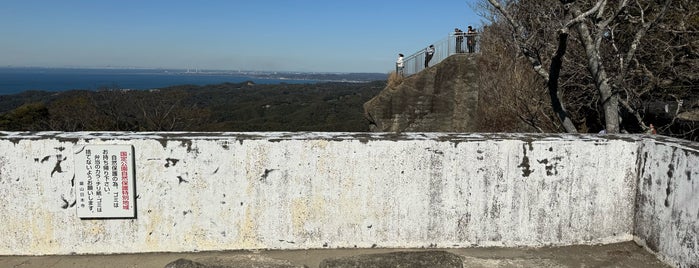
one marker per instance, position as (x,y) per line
(224,107)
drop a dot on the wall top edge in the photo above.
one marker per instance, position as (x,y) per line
(684,144)
(334,136)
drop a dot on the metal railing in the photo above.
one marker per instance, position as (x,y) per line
(455,43)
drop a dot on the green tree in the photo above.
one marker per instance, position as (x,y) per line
(28,117)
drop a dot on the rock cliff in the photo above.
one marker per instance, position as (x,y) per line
(441,98)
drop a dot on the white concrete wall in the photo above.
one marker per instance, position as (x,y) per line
(667,206)
(217,191)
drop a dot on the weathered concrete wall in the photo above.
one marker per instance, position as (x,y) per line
(667,205)
(211,191)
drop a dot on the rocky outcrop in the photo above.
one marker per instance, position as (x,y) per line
(441,98)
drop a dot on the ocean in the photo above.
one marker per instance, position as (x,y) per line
(16,80)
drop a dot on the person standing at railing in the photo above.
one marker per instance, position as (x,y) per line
(400,65)
(459,39)
(429,52)
(471,39)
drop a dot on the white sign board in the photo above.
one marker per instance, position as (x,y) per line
(104,181)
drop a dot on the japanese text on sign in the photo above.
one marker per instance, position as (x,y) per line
(104,176)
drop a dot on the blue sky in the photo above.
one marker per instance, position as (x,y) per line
(270,35)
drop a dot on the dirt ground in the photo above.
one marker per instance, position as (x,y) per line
(626,254)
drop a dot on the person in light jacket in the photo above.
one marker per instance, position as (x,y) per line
(400,65)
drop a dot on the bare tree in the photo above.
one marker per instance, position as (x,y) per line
(75,112)
(514,97)
(659,75)
(593,23)
(169,110)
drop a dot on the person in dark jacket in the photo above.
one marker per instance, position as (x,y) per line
(429,52)
(459,40)
(471,39)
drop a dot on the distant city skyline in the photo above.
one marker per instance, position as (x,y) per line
(265,35)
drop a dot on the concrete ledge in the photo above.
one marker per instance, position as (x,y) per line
(226,191)
(620,255)
(397,259)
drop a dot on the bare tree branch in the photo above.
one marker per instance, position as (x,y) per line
(518,33)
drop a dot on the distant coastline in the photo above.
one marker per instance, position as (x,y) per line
(19,79)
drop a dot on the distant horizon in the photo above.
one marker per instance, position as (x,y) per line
(180,69)
(17,79)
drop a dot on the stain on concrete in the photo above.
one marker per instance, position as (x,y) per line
(462,223)
(495,211)
(671,170)
(46,158)
(435,151)
(689,175)
(187,144)
(163,142)
(670,174)
(181,180)
(551,169)
(171,162)
(67,204)
(57,167)
(224,145)
(668,191)
(264,175)
(689,240)
(641,170)
(531,145)
(435,192)
(526,171)
(60,148)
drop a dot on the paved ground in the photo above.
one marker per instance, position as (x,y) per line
(613,255)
